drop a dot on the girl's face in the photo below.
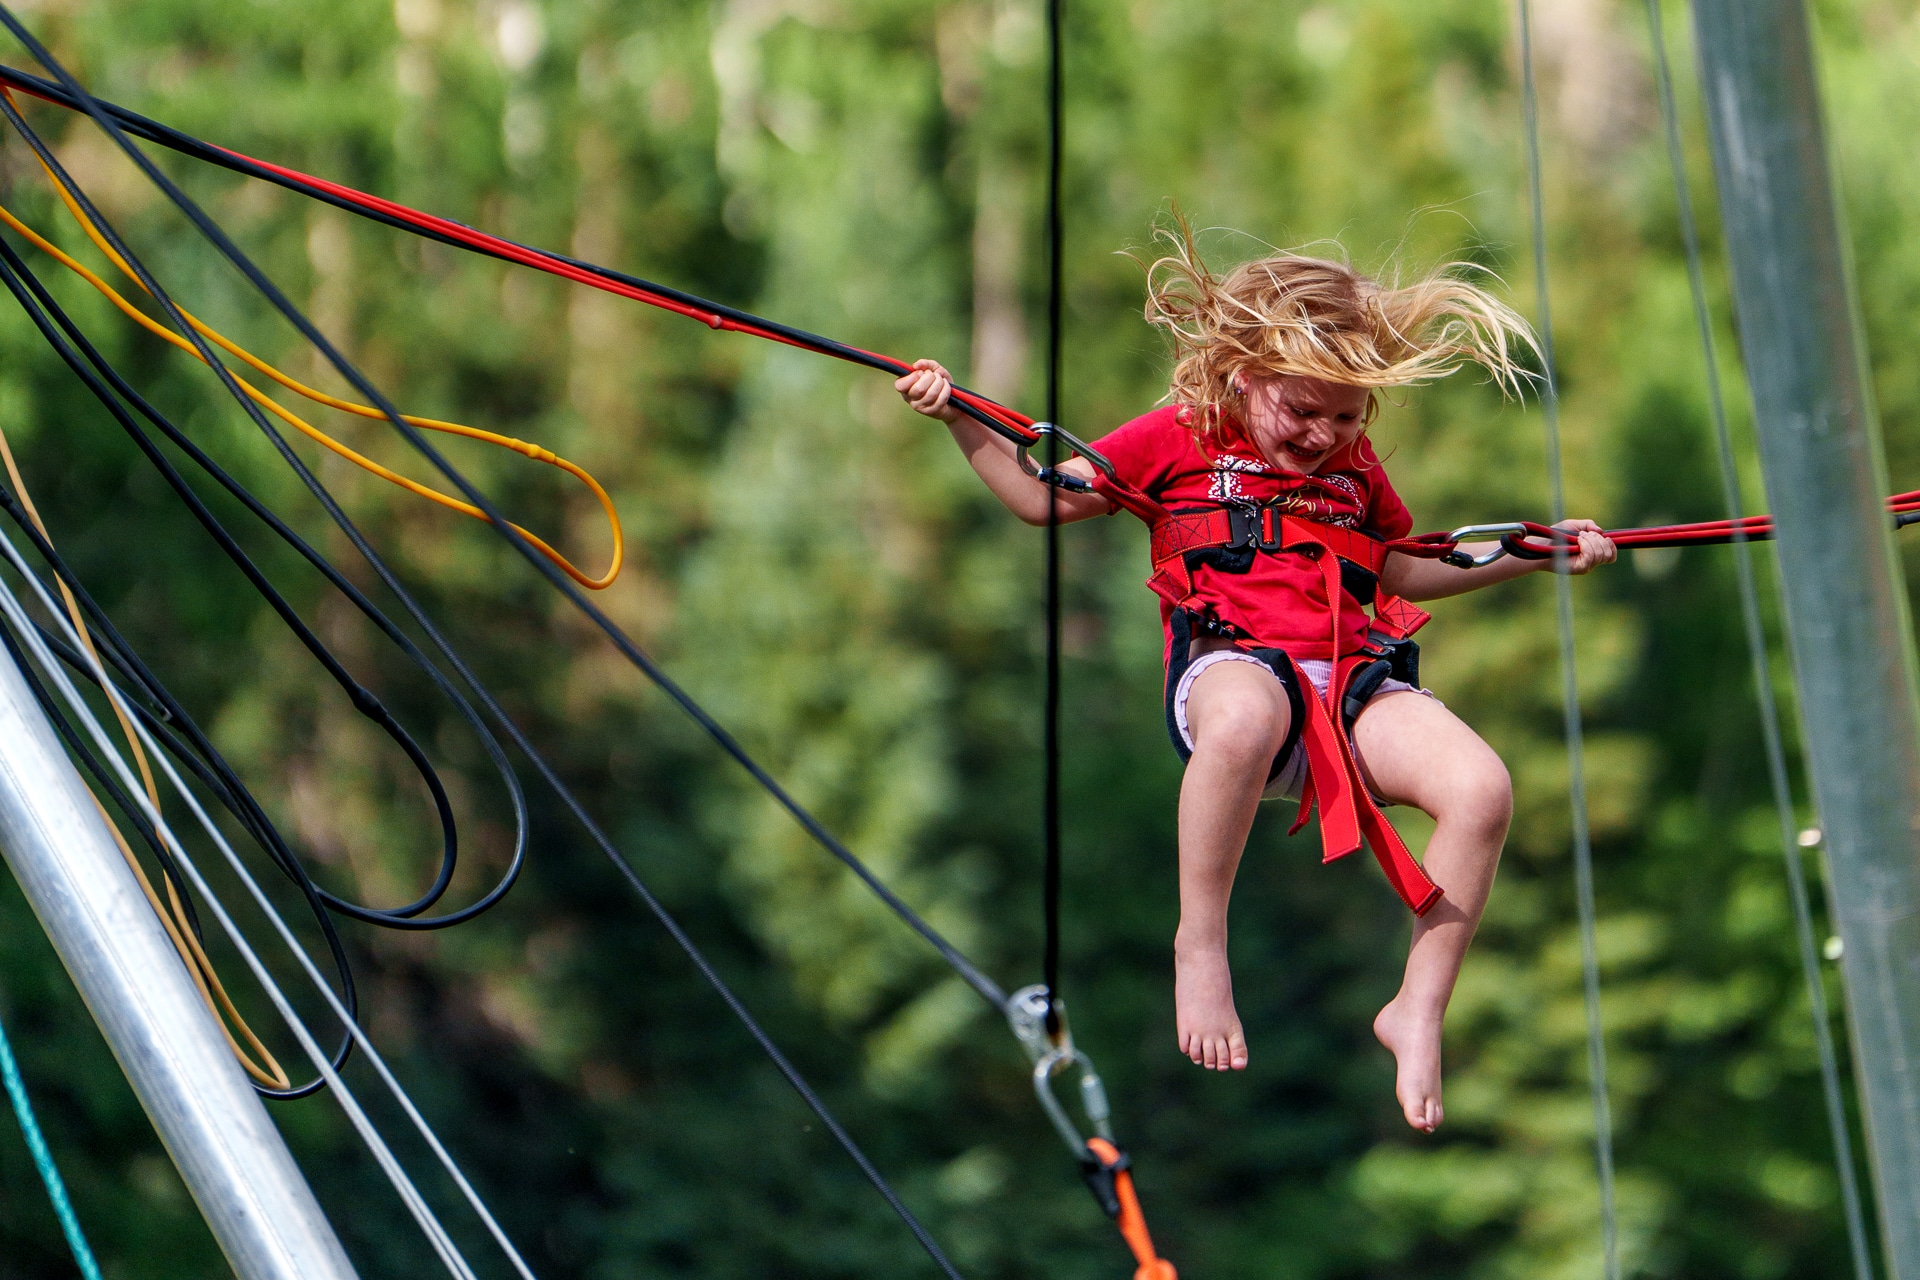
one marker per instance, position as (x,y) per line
(1298,423)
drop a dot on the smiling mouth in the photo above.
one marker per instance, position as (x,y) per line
(1302,453)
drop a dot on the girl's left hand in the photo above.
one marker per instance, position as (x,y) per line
(1595,548)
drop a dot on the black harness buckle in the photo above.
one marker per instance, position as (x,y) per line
(1255,527)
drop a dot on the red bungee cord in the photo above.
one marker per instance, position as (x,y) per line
(1523,539)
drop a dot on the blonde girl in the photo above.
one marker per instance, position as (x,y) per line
(1272,518)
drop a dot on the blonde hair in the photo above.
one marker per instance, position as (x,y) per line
(1291,314)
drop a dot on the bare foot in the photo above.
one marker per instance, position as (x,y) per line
(1203,1013)
(1415,1042)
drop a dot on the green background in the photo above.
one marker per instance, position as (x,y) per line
(820,567)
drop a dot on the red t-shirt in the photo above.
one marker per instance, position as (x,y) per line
(1280,601)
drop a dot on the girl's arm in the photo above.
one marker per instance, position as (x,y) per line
(1415,579)
(929,390)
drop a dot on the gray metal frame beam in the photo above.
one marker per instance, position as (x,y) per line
(212,1123)
(1846,606)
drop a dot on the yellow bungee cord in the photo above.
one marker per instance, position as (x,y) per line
(173,916)
(526,449)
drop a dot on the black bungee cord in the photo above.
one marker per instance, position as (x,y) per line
(1050,735)
(72,345)
(969,972)
(186,144)
(74,98)
(216,236)
(245,811)
(196,751)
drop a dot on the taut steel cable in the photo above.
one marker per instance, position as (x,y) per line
(1569,676)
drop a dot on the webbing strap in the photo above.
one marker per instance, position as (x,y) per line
(1123,1206)
(1266,529)
(1334,782)
(1262,527)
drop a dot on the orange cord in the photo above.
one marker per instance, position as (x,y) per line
(1132,1223)
(526,449)
(267,1071)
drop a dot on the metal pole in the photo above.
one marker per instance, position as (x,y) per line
(228,1151)
(1846,607)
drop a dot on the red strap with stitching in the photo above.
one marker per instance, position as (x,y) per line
(1334,782)
(1176,533)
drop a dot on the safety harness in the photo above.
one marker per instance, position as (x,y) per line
(1348,811)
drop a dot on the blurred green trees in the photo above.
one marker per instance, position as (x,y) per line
(820,566)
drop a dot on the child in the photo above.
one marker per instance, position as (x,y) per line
(1271,516)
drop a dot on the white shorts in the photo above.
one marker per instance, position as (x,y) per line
(1291,777)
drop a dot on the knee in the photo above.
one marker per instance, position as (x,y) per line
(1242,729)
(1480,797)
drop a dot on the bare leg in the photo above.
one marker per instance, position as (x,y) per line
(1414,751)
(1238,715)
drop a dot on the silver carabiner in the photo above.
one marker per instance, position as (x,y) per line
(1053,475)
(1093,1099)
(1026,1011)
(1461,560)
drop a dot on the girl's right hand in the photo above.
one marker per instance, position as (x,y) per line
(928,389)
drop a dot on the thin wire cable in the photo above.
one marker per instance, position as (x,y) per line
(28,636)
(44,657)
(1756,638)
(1050,735)
(981,984)
(43,1161)
(173,915)
(373,1055)
(1570,676)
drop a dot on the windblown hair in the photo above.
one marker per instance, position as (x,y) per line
(1290,314)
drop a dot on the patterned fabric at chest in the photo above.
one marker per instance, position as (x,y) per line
(1232,478)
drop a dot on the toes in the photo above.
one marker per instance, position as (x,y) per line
(1215,1052)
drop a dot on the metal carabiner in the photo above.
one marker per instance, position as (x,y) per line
(1026,1011)
(1093,1099)
(1053,475)
(1461,560)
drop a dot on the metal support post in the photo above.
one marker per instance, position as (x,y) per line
(1846,606)
(228,1151)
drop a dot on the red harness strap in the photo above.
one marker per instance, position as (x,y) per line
(1266,529)
(1348,812)
(1347,808)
